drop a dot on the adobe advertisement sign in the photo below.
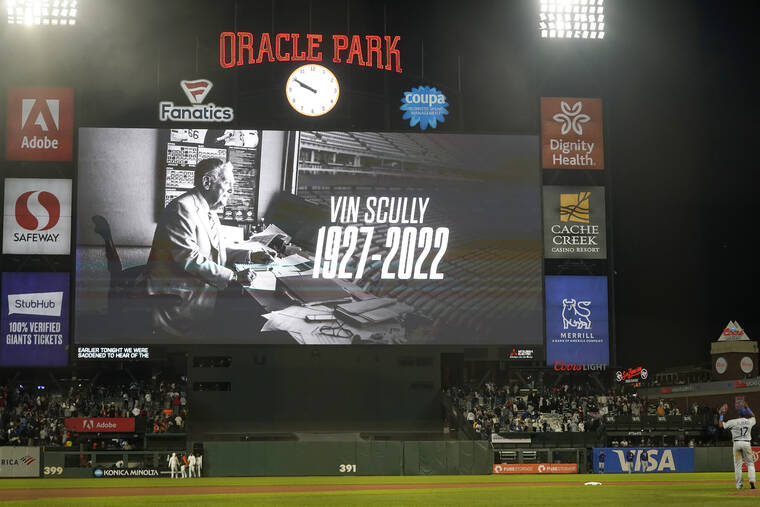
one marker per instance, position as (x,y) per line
(574,223)
(37,216)
(577,320)
(40,124)
(35,319)
(100,424)
(659,460)
(571,133)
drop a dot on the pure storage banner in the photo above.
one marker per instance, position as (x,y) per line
(574,223)
(571,133)
(577,320)
(35,319)
(19,461)
(659,460)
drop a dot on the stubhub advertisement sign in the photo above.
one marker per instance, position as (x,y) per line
(577,320)
(35,319)
(659,460)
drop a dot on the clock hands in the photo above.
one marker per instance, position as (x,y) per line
(303,85)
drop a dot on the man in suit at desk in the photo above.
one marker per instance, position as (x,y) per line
(187,258)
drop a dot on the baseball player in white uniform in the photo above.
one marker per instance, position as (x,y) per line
(191,465)
(199,464)
(173,465)
(741,430)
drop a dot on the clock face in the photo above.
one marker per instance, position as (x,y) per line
(312,90)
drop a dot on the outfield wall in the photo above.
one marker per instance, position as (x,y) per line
(347,458)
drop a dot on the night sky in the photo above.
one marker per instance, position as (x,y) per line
(679,115)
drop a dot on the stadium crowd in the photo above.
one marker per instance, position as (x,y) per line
(34,415)
(536,407)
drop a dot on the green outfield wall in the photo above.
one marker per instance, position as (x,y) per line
(347,458)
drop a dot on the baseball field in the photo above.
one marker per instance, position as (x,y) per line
(566,490)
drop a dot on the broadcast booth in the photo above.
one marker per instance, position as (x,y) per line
(306,221)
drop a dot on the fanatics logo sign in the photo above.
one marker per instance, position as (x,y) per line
(40,124)
(37,216)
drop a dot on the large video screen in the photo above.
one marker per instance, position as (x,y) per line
(307,237)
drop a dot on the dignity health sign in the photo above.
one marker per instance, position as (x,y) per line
(577,320)
(35,319)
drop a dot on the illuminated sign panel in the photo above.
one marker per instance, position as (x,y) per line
(577,320)
(571,133)
(574,223)
(35,319)
(40,124)
(37,216)
(424,246)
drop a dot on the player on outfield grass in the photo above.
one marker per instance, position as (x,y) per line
(601,462)
(644,457)
(630,458)
(741,430)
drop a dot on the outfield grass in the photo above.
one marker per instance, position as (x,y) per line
(635,490)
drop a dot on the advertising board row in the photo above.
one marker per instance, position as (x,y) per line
(38,221)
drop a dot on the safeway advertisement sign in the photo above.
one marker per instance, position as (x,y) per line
(536,468)
(40,124)
(37,216)
(100,424)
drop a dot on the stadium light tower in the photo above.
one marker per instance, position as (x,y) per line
(571,19)
(42,12)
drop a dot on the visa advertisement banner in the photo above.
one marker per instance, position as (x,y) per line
(658,460)
(35,319)
(577,320)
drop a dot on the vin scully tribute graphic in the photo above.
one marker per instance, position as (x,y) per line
(574,223)
(385,238)
(571,133)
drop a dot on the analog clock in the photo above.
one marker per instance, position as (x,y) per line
(312,90)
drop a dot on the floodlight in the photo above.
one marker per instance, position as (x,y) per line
(41,12)
(571,19)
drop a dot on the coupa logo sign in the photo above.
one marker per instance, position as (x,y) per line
(424,106)
(40,124)
(37,216)
(195,91)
